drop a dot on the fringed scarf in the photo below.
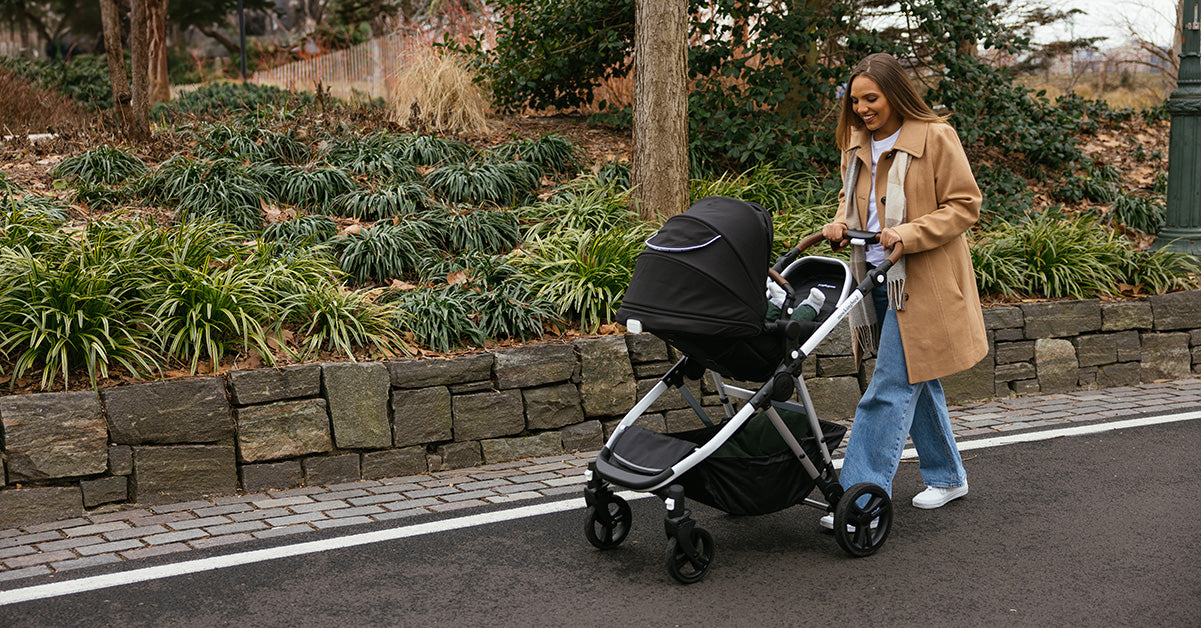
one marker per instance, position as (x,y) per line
(865,329)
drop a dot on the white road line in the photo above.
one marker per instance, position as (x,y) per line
(93,583)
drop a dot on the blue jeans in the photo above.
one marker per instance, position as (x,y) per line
(892,409)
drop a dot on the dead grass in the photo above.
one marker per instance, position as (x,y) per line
(436,92)
(1134,91)
(28,109)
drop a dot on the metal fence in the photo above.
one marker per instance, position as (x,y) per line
(363,70)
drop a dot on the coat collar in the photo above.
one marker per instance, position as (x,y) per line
(912,139)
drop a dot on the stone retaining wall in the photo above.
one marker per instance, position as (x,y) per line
(176,440)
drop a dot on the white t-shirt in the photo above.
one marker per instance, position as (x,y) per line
(875,253)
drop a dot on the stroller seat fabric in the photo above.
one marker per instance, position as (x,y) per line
(753,472)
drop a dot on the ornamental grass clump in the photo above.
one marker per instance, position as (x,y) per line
(465,228)
(384,252)
(107,165)
(379,156)
(552,153)
(302,231)
(477,183)
(437,91)
(441,318)
(311,187)
(329,318)
(587,203)
(582,272)
(385,202)
(221,190)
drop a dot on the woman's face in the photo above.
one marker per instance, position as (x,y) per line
(868,102)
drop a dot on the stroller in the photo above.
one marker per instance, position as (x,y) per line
(700,286)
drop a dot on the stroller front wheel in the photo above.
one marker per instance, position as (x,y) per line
(690,567)
(861,530)
(608,527)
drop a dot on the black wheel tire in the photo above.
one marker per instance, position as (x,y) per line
(864,540)
(683,569)
(607,534)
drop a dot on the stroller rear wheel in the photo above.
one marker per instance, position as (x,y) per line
(608,527)
(860,531)
(689,569)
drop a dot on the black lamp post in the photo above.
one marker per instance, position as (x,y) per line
(1182,228)
(242,38)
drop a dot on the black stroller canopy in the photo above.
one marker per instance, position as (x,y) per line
(704,272)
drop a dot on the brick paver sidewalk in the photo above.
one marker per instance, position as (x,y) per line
(128,535)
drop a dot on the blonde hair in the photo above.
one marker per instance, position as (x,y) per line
(887,72)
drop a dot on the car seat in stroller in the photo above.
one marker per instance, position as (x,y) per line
(700,286)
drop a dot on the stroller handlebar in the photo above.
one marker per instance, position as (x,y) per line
(859,238)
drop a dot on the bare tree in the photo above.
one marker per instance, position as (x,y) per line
(133,106)
(660,169)
(1157,54)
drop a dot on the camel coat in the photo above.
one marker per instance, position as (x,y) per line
(942,325)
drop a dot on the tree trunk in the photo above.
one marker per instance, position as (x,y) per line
(111,19)
(660,170)
(140,68)
(156,31)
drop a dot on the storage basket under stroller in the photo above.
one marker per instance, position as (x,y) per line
(700,286)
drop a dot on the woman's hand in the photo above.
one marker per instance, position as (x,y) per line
(888,238)
(836,233)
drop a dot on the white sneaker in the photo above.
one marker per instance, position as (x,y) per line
(936,497)
(827,522)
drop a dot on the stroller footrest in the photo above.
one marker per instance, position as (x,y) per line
(641,458)
(628,479)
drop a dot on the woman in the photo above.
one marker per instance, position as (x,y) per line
(906,176)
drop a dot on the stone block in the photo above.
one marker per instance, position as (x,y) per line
(684,420)
(421,416)
(607,384)
(1126,315)
(488,415)
(53,435)
(183,472)
(1003,317)
(120,459)
(586,436)
(1128,345)
(393,463)
(266,476)
(1165,356)
(284,429)
(1055,362)
(1025,387)
(534,365)
(357,393)
(648,370)
(331,469)
(1121,374)
(471,387)
(1059,319)
(973,384)
(456,456)
(507,449)
(552,407)
(441,371)
(671,399)
(837,342)
(24,506)
(1010,352)
(835,366)
(834,397)
(1095,349)
(1008,335)
(169,412)
(646,348)
(266,385)
(1177,310)
(1014,372)
(106,490)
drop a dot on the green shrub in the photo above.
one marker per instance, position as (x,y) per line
(107,164)
(203,312)
(31,222)
(439,318)
(387,202)
(1145,214)
(220,99)
(383,252)
(220,189)
(302,231)
(551,152)
(584,273)
(1048,256)
(84,78)
(431,150)
(476,183)
(1096,182)
(1006,195)
(56,314)
(314,187)
(330,319)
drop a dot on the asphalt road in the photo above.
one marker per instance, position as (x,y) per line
(1095,530)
